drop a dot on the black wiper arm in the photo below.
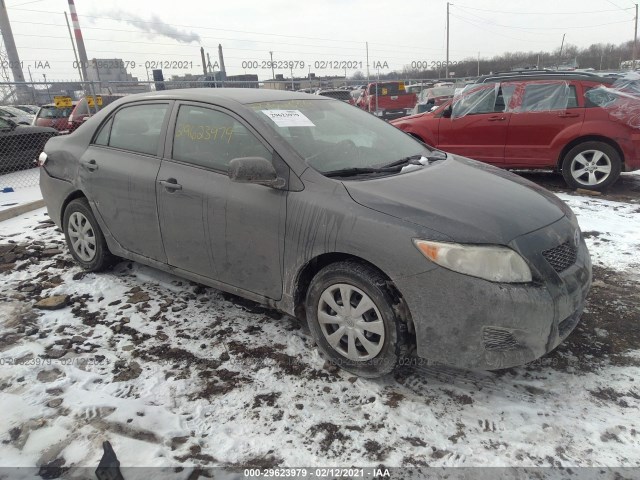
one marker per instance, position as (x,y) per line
(351,172)
(404,160)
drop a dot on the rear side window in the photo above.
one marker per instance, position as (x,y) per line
(103,136)
(549,96)
(210,138)
(138,128)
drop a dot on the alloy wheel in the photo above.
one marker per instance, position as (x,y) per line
(591,167)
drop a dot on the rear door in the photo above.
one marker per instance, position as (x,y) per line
(545,111)
(230,232)
(478,124)
(118,174)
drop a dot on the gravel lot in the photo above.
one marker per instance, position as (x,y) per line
(174,373)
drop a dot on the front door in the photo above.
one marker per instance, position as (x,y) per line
(477,127)
(118,174)
(226,231)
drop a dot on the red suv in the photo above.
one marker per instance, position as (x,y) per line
(542,121)
(55,117)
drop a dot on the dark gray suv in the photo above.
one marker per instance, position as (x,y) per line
(386,247)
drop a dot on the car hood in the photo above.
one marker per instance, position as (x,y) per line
(467,201)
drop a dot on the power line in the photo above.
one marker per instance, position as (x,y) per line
(471,22)
(556,28)
(615,5)
(511,12)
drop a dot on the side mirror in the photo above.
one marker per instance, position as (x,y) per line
(256,170)
(446,113)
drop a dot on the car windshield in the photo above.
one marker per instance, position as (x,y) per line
(14,111)
(55,112)
(332,135)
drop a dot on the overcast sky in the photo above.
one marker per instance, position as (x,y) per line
(398,32)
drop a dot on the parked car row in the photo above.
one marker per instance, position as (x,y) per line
(20,145)
(537,120)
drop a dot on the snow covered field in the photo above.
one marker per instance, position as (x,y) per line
(174,373)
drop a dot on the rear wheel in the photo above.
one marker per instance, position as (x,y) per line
(84,237)
(351,316)
(591,166)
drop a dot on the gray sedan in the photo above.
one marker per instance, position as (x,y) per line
(389,250)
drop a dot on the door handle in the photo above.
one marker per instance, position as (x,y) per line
(497,119)
(90,165)
(171,184)
(568,115)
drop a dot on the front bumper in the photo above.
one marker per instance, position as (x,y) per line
(476,324)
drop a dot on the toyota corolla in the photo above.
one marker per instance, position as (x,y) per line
(384,246)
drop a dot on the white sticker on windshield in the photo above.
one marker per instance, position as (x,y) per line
(288,118)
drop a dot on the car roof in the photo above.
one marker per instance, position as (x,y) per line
(542,75)
(239,95)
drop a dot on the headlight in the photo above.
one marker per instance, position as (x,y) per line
(493,263)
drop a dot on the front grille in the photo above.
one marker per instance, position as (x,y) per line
(561,257)
(499,339)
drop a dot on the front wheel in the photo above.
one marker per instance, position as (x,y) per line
(591,166)
(351,316)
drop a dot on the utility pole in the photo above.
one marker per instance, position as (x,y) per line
(478,63)
(635,39)
(75,53)
(561,47)
(446,71)
(273,75)
(12,54)
(367,45)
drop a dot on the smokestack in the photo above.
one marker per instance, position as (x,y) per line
(82,53)
(223,71)
(12,53)
(204,62)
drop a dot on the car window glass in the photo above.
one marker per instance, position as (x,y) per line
(476,101)
(138,128)
(54,112)
(82,108)
(333,135)
(541,97)
(4,123)
(103,136)
(210,138)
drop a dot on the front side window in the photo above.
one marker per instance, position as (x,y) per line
(210,138)
(477,100)
(138,128)
(4,124)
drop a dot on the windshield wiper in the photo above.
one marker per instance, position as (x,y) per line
(415,159)
(353,171)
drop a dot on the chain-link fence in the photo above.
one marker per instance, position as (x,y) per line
(33,112)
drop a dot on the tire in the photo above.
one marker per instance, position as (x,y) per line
(600,162)
(386,341)
(91,253)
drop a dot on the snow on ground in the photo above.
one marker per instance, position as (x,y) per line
(18,188)
(174,373)
(611,229)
